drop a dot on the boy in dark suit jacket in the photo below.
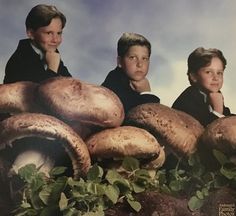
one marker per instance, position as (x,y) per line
(128,80)
(203,99)
(37,58)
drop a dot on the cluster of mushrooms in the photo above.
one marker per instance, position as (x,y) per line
(89,121)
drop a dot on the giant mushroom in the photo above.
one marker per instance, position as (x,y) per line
(80,104)
(174,129)
(221,135)
(19,97)
(47,127)
(120,142)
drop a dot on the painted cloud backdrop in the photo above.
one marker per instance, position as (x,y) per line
(174,27)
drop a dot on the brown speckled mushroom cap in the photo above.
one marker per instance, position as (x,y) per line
(48,127)
(18,97)
(73,100)
(124,141)
(193,124)
(221,135)
(178,131)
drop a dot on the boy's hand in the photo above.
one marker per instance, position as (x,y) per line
(216,100)
(141,85)
(53,60)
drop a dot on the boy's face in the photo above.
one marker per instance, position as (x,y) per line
(47,38)
(135,63)
(210,78)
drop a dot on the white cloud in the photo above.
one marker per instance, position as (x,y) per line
(169,92)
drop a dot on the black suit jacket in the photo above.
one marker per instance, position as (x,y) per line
(118,82)
(25,65)
(192,102)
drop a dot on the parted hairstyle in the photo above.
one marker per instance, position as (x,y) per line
(131,39)
(202,57)
(41,15)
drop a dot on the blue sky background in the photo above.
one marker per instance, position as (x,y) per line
(174,27)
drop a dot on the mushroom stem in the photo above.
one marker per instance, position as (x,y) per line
(45,126)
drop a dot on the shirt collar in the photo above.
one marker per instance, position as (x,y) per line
(37,50)
(204,95)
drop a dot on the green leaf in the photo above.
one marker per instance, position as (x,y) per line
(161,176)
(57,171)
(113,176)
(45,194)
(142,173)
(130,164)
(165,189)
(181,171)
(205,192)
(95,173)
(57,188)
(71,212)
(137,188)
(222,159)
(112,193)
(95,189)
(27,172)
(37,182)
(35,200)
(27,212)
(123,185)
(197,170)
(228,173)
(193,160)
(25,205)
(97,213)
(134,204)
(194,203)
(71,182)
(175,185)
(199,195)
(63,202)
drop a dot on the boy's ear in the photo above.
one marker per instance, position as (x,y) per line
(30,33)
(193,77)
(118,60)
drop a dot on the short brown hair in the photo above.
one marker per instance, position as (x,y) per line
(131,39)
(41,15)
(202,57)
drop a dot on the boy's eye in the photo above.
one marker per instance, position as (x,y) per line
(51,33)
(146,58)
(132,57)
(48,33)
(135,58)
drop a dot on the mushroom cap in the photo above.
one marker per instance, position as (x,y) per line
(19,97)
(175,129)
(193,124)
(221,135)
(158,162)
(73,100)
(48,127)
(123,141)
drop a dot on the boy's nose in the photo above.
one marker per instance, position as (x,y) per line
(215,76)
(139,63)
(55,38)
